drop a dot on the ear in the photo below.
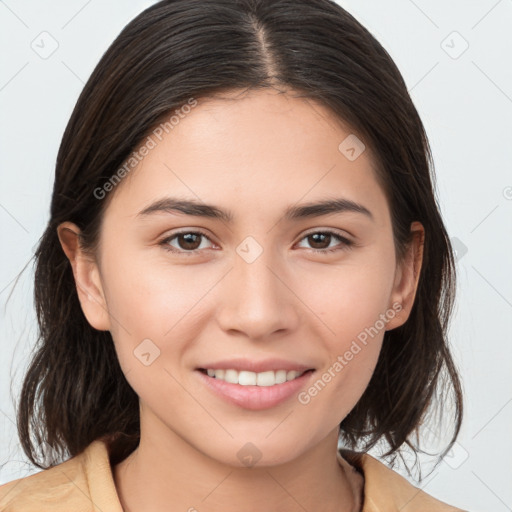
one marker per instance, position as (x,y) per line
(87,277)
(406,278)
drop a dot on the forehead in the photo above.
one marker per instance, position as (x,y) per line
(256,150)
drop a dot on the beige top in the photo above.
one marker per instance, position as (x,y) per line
(85,483)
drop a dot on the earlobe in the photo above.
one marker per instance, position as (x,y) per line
(87,277)
(407,277)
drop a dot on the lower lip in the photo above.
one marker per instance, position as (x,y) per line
(256,397)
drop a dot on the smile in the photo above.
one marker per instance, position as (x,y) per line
(247,378)
(255,391)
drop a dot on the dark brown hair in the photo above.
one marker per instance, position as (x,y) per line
(74,391)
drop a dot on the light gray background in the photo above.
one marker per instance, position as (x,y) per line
(465,101)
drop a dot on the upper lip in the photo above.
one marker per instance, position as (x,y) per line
(241,364)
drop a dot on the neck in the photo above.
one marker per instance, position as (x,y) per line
(165,469)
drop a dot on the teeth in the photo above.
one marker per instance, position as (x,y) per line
(248,378)
(245,378)
(231,376)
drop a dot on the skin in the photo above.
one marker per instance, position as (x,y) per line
(255,155)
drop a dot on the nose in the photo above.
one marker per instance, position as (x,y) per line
(258,299)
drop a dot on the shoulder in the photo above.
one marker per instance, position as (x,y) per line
(385,490)
(82,483)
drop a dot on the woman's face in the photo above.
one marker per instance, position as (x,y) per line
(245,287)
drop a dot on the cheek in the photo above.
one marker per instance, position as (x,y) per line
(352,343)
(151,299)
(353,303)
(348,298)
(149,296)
(339,386)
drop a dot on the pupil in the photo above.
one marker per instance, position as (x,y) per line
(188,237)
(316,236)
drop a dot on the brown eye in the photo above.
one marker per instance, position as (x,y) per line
(185,242)
(320,241)
(189,241)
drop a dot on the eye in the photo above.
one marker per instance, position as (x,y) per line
(324,238)
(189,242)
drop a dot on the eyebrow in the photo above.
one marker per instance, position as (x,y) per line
(307,210)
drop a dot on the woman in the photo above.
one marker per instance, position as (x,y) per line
(244,266)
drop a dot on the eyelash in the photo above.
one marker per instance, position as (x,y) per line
(345,243)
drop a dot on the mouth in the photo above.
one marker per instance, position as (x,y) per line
(255,391)
(248,378)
